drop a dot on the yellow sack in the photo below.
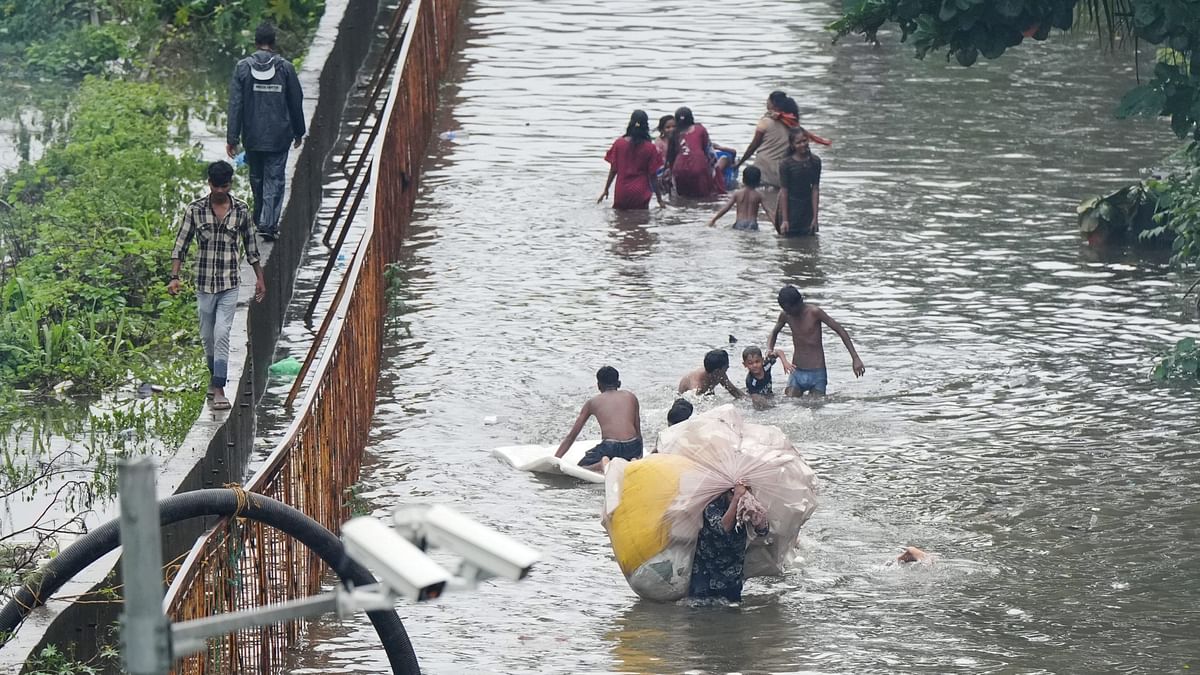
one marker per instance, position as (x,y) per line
(637,497)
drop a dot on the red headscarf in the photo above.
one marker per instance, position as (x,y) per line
(791,121)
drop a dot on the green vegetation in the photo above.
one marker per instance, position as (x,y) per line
(52,661)
(77,37)
(1182,361)
(88,236)
(966,29)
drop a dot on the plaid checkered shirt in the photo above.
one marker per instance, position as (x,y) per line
(217,267)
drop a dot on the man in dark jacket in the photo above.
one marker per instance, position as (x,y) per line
(266,114)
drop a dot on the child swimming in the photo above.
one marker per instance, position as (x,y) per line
(748,201)
(704,380)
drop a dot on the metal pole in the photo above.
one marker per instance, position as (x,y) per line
(145,631)
(190,637)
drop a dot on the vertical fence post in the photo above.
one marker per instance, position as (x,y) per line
(145,631)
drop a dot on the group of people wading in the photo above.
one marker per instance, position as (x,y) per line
(784,179)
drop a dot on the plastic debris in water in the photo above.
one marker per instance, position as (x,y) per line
(288,367)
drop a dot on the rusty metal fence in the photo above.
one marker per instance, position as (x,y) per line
(240,565)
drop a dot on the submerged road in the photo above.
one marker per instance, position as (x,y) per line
(1006,421)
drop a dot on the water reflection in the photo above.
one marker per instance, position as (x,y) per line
(713,638)
(800,260)
(632,237)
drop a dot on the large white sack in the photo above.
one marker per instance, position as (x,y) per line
(656,542)
(727,450)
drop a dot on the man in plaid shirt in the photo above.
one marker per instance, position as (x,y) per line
(217,221)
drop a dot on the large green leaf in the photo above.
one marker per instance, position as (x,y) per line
(1144,100)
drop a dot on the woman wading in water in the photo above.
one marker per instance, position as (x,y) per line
(633,160)
(691,161)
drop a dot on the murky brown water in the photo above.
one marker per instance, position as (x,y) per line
(1005,422)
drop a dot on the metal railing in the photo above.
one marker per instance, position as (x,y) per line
(240,565)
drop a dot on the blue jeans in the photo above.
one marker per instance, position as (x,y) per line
(216,319)
(808,379)
(267,177)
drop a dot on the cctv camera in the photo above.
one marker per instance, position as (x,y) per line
(402,567)
(487,551)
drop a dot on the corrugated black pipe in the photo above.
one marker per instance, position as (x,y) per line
(220,502)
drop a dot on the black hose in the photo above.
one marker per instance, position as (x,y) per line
(219,502)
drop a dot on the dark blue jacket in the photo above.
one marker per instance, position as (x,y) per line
(266,105)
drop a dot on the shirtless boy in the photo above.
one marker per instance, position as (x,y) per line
(704,380)
(748,201)
(620,419)
(808,360)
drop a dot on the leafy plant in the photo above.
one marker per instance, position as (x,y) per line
(52,661)
(1182,361)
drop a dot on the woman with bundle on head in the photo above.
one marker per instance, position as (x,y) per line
(633,161)
(691,160)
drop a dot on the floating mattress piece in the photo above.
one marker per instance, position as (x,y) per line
(541,459)
(653,507)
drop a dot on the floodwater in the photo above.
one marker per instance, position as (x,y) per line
(1005,422)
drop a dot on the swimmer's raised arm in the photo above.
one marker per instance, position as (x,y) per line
(730,387)
(760,131)
(724,209)
(856,363)
(783,359)
(779,324)
(612,173)
(637,417)
(584,414)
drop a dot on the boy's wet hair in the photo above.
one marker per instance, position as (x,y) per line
(680,410)
(716,360)
(608,378)
(752,176)
(265,34)
(220,173)
(789,296)
(749,352)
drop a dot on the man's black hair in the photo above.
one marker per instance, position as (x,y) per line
(608,378)
(220,173)
(751,351)
(680,411)
(716,360)
(752,176)
(264,35)
(789,296)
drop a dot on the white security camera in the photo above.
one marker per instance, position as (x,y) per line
(403,568)
(486,552)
